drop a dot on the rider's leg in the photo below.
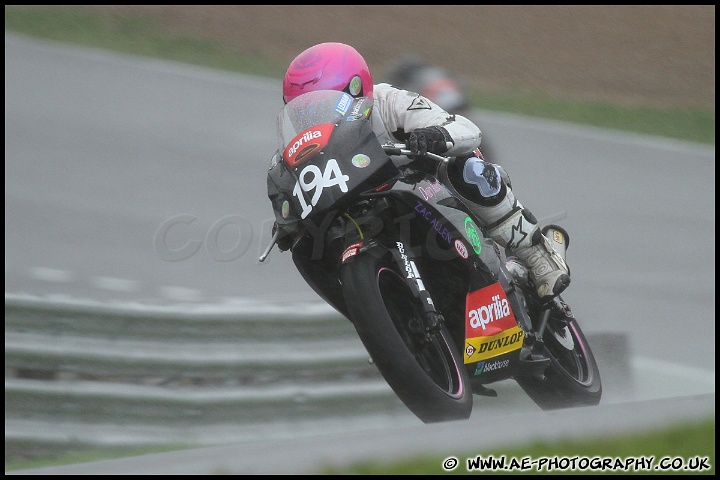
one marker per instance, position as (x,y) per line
(511,225)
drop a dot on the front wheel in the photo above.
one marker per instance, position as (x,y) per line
(425,370)
(572,379)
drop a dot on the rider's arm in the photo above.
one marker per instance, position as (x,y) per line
(403,111)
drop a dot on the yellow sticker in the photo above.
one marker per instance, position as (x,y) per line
(482,348)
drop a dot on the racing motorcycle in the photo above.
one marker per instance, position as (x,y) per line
(442,311)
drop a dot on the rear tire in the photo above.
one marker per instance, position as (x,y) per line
(572,379)
(425,371)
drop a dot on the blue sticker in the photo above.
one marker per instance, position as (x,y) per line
(344,104)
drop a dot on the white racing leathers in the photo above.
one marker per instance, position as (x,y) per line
(396,113)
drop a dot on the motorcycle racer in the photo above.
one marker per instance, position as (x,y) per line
(404,116)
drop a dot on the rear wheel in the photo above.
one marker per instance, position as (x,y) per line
(425,370)
(572,379)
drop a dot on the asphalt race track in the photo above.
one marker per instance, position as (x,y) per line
(138,181)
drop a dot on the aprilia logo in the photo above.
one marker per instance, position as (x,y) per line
(488,312)
(306,137)
(497,309)
(307,142)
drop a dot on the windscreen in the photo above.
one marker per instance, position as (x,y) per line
(309,110)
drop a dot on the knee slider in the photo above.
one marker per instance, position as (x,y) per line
(480,181)
(484,175)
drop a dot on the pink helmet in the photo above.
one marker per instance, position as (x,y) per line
(328,66)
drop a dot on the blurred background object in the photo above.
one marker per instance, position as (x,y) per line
(440,85)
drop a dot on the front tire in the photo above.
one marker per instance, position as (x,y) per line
(426,371)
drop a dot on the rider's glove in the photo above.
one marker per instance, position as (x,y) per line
(429,139)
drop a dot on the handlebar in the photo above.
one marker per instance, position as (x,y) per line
(401,149)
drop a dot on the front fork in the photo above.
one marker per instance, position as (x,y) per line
(405,259)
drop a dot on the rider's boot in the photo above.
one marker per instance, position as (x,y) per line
(520,235)
(488,187)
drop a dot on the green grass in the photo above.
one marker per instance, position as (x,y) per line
(142,36)
(131,34)
(689,124)
(687,441)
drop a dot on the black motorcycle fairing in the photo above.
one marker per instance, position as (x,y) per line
(416,212)
(322,276)
(326,178)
